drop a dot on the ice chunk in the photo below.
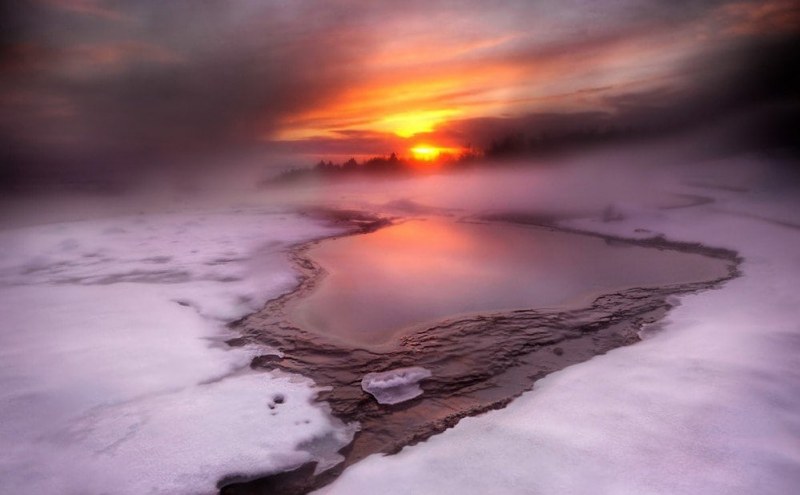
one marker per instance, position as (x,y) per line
(395,386)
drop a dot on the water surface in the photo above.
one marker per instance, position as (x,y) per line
(421,271)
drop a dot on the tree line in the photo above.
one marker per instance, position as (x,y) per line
(510,146)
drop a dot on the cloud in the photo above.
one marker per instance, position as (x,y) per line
(186,78)
(92,8)
(771,17)
(127,86)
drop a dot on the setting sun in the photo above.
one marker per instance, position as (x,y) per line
(426,152)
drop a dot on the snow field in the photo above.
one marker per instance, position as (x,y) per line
(115,377)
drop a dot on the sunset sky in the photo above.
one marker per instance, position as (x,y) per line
(94,84)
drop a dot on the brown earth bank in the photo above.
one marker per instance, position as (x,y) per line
(478,362)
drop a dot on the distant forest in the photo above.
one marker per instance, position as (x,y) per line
(509,147)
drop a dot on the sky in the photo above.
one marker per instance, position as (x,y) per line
(124,87)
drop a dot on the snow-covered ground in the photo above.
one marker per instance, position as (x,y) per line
(708,403)
(114,377)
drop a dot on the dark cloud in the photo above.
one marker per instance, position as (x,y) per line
(173,78)
(346,144)
(749,81)
(117,87)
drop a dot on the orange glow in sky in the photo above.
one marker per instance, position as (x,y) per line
(412,123)
(366,79)
(405,101)
(423,85)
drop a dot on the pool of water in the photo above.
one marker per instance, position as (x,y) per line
(421,271)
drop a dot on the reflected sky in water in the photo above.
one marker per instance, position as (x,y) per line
(425,270)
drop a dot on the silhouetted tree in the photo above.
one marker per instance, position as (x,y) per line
(350,165)
(507,146)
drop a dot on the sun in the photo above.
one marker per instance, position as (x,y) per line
(425,152)
(432,153)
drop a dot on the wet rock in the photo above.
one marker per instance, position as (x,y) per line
(294,482)
(236,342)
(265,361)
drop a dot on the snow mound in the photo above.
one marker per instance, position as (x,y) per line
(395,386)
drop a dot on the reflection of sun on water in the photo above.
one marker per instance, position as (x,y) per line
(419,248)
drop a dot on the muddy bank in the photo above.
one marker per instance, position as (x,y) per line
(478,362)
